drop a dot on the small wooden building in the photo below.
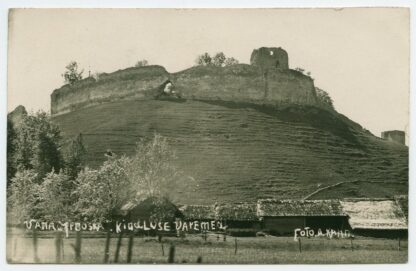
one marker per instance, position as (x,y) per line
(282,217)
(240,219)
(375,217)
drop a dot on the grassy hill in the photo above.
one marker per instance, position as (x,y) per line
(234,152)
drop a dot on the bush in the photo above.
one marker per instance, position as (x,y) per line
(219,60)
(324,99)
(231,61)
(142,63)
(204,60)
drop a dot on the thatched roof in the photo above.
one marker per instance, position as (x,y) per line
(383,214)
(275,207)
(198,211)
(237,212)
(151,207)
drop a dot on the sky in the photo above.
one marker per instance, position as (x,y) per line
(360,56)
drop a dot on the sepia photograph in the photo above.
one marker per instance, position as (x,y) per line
(207,136)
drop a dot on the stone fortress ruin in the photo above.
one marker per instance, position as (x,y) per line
(267,80)
(240,131)
(270,58)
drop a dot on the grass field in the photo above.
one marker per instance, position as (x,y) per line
(261,250)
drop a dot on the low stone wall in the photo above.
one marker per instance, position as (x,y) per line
(132,83)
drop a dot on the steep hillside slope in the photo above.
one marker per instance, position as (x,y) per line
(243,152)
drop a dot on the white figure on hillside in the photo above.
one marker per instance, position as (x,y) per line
(168,89)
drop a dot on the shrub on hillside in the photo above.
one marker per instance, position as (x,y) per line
(324,99)
(219,60)
(203,60)
(230,61)
(142,63)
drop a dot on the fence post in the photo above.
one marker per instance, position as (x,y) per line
(171,258)
(120,236)
(58,247)
(107,247)
(163,249)
(130,247)
(235,249)
(352,244)
(77,247)
(35,246)
(398,248)
(62,248)
(14,247)
(199,260)
(300,245)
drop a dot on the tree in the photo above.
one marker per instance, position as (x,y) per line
(55,197)
(230,61)
(100,193)
(204,60)
(142,63)
(71,74)
(148,174)
(11,150)
(75,157)
(38,145)
(151,168)
(324,99)
(219,59)
(47,156)
(24,196)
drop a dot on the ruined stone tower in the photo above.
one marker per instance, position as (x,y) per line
(270,58)
(394,136)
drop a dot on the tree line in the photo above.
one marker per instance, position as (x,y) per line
(48,180)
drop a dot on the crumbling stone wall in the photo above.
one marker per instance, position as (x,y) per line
(132,83)
(268,80)
(245,83)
